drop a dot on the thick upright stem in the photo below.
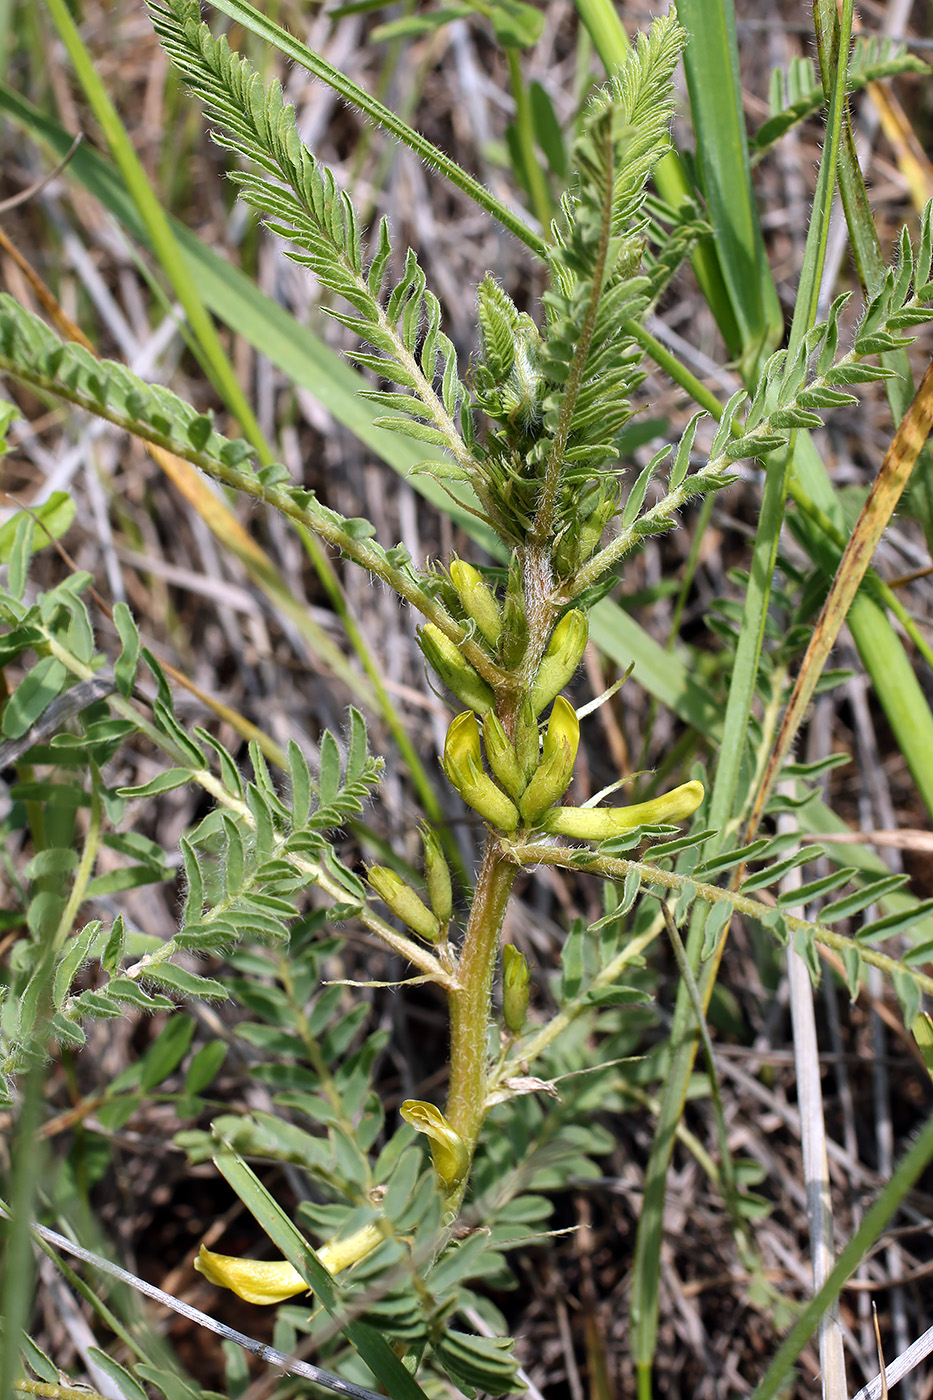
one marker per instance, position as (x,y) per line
(470,1003)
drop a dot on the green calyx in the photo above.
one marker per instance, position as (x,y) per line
(562,656)
(437,875)
(502,757)
(559,753)
(404,903)
(516,988)
(456,673)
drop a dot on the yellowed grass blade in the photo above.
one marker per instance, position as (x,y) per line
(895,472)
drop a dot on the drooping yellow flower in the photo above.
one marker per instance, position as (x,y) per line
(268,1281)
(602,823)
(253,1280)
(448,1150)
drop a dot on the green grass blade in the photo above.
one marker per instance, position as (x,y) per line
(774,496)
(662,673)
(158,226)
(684,1031)
(610,40)
(712,68)
(906,1174)
(869,262)
(16,1295)
(377,1354)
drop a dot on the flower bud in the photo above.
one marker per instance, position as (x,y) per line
(463,764)
(448,1150)
(514,617)
(403,902)
(527,741)
(561,741)
(274,1280)
(581,538)
(456,673)
(478,600)
(601,823)
(562,657)
(437,875)
(516,983)
(501,755)
(592,531)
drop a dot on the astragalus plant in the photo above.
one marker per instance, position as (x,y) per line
(413,1208)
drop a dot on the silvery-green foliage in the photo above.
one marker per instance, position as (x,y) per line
(787,398)
(797,93)
(303,204)
(245,865)
(551,394)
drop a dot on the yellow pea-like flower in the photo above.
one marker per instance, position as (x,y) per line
(448,1150)
(463,764)
(601,823)
(479,601)
(266,1281)
(562,656)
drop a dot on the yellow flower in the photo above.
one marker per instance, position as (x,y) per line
(478,600)
(561,741)
(463,764)
(254,1280)
(273,1280)
(448,1150)
(562,656)
(602,823)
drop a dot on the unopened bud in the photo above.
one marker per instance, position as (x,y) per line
(514,617)
(478,600)
(601,823)
(561,741)
(527,741)
(437,875)
(516,985)
(274,1280)
(592,530)
(403,902)
(463,764)
(448,1150)
(502,757)
(456,673)
(562,657)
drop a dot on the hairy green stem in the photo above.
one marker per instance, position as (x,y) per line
(407,948)
(470,1001)
(55,1392)
(85,869)
(617,867)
